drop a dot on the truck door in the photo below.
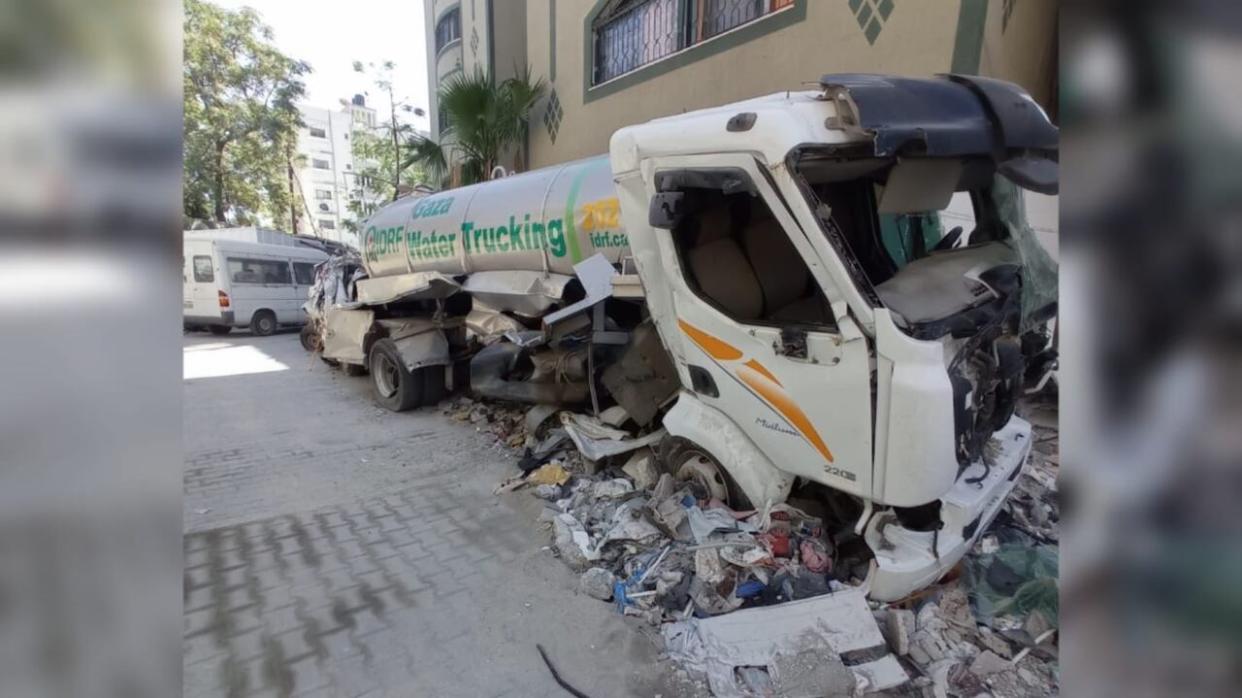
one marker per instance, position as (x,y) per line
(752,329)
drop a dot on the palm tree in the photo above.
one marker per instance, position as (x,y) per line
(485,120)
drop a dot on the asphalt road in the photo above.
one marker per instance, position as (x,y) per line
(333,548)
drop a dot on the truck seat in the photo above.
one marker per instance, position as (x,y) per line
(782,274)
(724,276)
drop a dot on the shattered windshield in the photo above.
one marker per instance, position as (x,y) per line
(886,214)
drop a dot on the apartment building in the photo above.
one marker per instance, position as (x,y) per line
(326,176)
(465,35)
(610,63)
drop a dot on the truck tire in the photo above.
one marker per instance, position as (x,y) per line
(309,338)
(263,323)
(396,387)
(219,330)
(690,463)
(433,384)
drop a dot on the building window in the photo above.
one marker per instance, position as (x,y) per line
(327,224)
(448,29)
(323,194)
(320,164)
(317,132)
(639,32)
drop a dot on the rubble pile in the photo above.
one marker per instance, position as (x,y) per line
(666,552)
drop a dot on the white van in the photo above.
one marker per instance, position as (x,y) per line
(231,283)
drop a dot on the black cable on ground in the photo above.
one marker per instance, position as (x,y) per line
(572,691)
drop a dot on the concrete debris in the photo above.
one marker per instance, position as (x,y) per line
(826,626)
(597,583)
(812,673)
(899,623)
(641,468)
(988,662)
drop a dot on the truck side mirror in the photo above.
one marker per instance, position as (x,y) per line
(667,209)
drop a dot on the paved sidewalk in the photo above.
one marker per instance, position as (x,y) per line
(334,549)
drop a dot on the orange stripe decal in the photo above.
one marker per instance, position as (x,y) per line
(758,367)
(715,348)
(779,399)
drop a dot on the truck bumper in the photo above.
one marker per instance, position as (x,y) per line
(907,560)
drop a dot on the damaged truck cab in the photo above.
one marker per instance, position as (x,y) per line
(817,322)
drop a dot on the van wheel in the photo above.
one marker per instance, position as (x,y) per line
(433,384)
(692,464)
(219,329)
(263,323)
(395,386)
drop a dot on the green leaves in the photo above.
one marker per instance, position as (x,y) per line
(240,116)
(485,121)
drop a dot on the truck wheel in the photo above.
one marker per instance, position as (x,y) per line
(396,387)
(219,330)
(263,323)
(309,338)
(695,465)
(433,384)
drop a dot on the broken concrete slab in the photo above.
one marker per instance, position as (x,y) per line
(988,662)
(899,623)
(812,673)
(597,583)
(642,468)
(834,623)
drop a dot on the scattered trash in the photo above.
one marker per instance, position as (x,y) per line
(770,602)
(596,440)
(550,474)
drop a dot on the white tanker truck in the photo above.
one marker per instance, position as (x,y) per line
(768,282)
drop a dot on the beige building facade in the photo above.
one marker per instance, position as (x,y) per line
(610,63)
(465,35)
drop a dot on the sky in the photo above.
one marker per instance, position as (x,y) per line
(332,35)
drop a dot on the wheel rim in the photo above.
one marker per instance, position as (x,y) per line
(265,324)
(386,375)
(699,468)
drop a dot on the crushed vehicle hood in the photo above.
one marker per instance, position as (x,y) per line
(951,116)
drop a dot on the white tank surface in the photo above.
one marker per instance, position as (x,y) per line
(547,220)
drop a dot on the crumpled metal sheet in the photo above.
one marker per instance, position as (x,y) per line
(344,333)
(839,622)
(429,348)
(595,273)
(421,285)
(489,324)
(527,293)
(596,440)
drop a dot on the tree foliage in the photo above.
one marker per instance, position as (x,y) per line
(485,120)
(241,118)
(380,160)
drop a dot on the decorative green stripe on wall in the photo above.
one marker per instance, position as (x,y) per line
(968,45)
